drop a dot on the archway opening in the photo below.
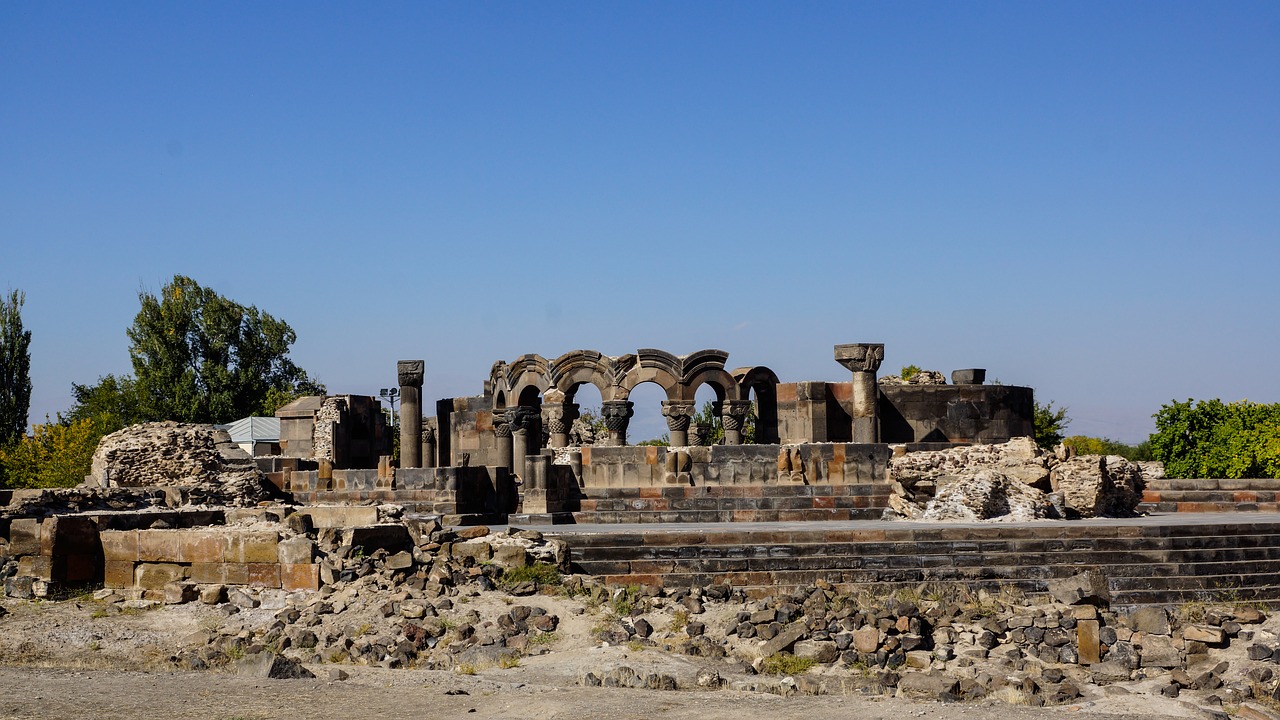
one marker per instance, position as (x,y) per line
(648,426)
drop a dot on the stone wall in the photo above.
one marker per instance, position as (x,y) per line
(151,559)
(823,412)
(469,432)
(815,463)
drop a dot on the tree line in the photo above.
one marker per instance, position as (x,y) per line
(197,357)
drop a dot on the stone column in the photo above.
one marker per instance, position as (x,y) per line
(429,448)
(734,417)
(410,372)
(558,418)
(864,360)
(502,439)
(678,414)
(525,435)
(617,415)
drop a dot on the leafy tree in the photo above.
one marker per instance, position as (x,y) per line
(1213,439)
(15,369)
(909,371)
(1084,445)
(113,403)
(1050,424)
(56,454)
(201,357)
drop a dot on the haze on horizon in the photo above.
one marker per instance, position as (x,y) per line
(1080,197)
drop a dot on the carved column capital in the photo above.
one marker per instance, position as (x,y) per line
(558,417)
(678,414)
(734,413)
(861,357)
(522,419)
(501,428)
(617,413)
(410,372)
(429,435)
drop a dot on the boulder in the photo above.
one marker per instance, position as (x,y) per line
(986,494)
(271,665)
(1097,486)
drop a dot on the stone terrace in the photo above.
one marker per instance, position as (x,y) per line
(1147,560)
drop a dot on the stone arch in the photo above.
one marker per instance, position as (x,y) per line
(657,366)
(707,366)
(580,367)
(527,371)
(765,384)
(496,386)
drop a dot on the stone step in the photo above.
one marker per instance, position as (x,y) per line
(1144,563)
(726,516)
(1261,484)
(1166,505)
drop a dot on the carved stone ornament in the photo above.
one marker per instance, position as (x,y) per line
(735,413)
(429,435)
(617,413)
(558,418)
(522,419)
(861,357)
(501,428)
(410,372)
(678,414)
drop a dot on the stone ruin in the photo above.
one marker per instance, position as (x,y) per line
(519,453)
(1015,480)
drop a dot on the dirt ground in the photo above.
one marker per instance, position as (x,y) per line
(69,659)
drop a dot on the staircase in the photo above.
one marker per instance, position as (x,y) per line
(1209,495)
(1145,560)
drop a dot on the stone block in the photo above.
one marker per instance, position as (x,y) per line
(264,574)
(118,574)
(866,640)
(20,587)
(1087,642)
(1150,620)
(176,593)
(300,576)
(1157,651)
(823,651)
(296,551)
(253,547)
(919,659)
(1206,634)
(201,546)
(392,537)
(783,641)
(24,537)
(159,546)
(153,576)
(119,545)
(235,573)
(207,573)
(36,566)
(478,549)
(511,556)
(925,686)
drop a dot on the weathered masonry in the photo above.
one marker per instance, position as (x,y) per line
(820,449)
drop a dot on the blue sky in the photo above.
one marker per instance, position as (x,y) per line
(1080,197)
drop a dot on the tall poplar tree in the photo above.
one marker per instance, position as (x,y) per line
(15,369)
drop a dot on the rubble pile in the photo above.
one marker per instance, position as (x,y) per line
(1015,480)
(200,459)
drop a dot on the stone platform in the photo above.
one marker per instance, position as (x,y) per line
(1147,560)
(1209,495)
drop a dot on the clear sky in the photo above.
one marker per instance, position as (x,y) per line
(1081,197)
